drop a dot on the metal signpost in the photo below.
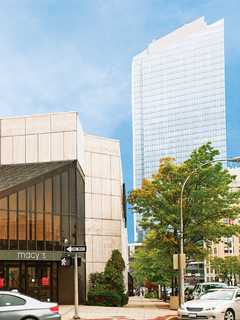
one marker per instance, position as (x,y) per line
(75,250)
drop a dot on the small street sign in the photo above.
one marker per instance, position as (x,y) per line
(76,249)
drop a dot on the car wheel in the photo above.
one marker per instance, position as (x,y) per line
(229,315)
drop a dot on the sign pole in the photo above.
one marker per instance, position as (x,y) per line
(76,315)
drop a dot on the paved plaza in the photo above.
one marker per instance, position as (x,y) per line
(138,308)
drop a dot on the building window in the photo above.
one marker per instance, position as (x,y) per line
(39,216)
(22,219)
(3,222)
(48,211)
(56,208)
(13,221)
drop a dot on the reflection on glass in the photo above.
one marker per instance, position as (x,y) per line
(39,207)
(56,208)
(31,213)
(13,217)
(22,230)
(48,209)
(3,219)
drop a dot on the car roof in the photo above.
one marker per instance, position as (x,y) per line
(18,294)
(212,283)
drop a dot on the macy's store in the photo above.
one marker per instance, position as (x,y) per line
(41,208)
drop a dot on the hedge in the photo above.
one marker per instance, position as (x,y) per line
(101,297)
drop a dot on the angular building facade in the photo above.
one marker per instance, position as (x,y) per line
(178,97)
(58,186)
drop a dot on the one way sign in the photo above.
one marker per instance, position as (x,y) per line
(76,249)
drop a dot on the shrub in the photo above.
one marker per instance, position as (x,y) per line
(96,280)
(151,295)
(116,261)
(101,297)
(114,279)
(107,288)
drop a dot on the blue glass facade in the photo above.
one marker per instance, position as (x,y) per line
(178,99)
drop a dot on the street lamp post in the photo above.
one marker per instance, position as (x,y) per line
(181,266)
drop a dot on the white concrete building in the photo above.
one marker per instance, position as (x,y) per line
(57,137)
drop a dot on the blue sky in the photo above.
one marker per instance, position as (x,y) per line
(61,55)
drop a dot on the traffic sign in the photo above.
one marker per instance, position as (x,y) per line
(66,262)
(76,249)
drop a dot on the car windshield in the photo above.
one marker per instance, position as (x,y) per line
(218,295)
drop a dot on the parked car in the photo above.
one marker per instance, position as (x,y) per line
(204,287)
(223,304)
(16,306)
(188,292)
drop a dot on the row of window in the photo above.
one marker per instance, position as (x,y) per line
(42,215)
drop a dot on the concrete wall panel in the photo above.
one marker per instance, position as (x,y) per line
(70,145)
(64,121)
(38,124)
(44,147)
(57,146)
(7,150)
(12,127)
(19,149)
(31,148)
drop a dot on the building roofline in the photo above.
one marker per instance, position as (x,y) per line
(101,137)
(36,115)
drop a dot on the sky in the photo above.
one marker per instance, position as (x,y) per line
(76,55)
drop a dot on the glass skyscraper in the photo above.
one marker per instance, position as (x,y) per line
(178,97)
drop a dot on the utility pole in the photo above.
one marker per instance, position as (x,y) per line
(76,315)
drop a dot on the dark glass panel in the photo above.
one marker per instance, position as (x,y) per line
(65,191)
(48,210)
(80,209)
(22,219)
(65,206)
(73,237)
(31,212)
(31,218)
(13,229)
(3,223)
(13,217)
(48,195)
(56,208)
(39,211)
(72,186)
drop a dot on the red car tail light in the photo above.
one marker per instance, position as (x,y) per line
(54,309)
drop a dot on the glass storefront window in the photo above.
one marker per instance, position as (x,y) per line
(31,217)
(41,215)
(65,206)
(3,222)
(22,219)
(56,208)
(39,212)
(48,209)
(13,221)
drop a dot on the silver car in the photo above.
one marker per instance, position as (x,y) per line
(16,306)
(223,304)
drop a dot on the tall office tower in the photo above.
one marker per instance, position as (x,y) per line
(178,96)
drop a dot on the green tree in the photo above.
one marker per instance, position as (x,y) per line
(227,268)
(208,202)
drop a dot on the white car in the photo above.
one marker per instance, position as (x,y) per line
(223,304)
(204,287)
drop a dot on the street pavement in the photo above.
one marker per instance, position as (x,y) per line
(138,308)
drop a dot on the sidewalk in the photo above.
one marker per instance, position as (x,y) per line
(138,308)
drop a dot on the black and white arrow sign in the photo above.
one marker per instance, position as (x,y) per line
(76,249)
